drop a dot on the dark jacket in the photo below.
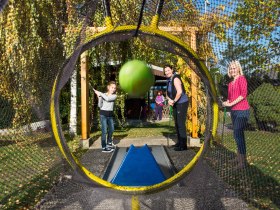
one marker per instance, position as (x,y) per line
(174,91)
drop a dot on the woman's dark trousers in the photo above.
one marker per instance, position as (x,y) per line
(180,117)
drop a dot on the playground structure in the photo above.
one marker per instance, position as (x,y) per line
(127,31)
(16,140)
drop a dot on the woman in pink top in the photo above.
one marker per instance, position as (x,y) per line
(237,100)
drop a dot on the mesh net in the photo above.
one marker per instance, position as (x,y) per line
(42,41)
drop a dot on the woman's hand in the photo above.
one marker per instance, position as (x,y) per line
(171,102)
(226,103)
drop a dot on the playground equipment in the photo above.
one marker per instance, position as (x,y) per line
(35,82)
(126,32)
(139,168)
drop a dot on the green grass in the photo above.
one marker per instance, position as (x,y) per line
(263,151)
(263,148)
(146,130)
(142,130)
(29,167)
(259,183)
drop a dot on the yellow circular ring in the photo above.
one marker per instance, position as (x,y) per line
(75,163)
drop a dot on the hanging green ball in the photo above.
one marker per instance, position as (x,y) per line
(136,78)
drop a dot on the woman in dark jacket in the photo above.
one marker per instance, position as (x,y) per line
(177,98)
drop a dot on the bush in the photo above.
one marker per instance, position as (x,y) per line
(265,101)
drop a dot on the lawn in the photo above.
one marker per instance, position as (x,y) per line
(263,150)
(259,183)
(29,166)
(145,129)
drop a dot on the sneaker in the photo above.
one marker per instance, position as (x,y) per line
(107,150)
(111,145)
(175,145)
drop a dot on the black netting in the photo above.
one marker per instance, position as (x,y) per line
(42,42)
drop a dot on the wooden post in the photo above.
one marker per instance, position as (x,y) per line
(84,101)
(194,84)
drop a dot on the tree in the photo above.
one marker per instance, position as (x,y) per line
(29,31)
(254,39)
(70,39)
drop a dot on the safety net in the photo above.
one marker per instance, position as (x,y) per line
(55,52)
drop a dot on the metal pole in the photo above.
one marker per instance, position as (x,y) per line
(169,124)
(224,117)
(206,2)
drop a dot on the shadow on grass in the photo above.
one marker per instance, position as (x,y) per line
(118,138)
(143,124)
(170,135)
(4,142)
(252,185)
(47,142)
(28,195)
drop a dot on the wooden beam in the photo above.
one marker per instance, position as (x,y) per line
(178,28)
(84,97)
(173,29)
(194,85)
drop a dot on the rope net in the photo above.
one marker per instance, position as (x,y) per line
(41,47)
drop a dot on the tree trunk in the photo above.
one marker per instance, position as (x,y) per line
(73,105)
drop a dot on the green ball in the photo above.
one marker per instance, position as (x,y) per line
(136,78)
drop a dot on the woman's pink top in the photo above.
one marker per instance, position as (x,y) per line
(160,99)
(238,88)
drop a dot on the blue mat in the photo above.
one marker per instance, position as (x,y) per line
(138,168)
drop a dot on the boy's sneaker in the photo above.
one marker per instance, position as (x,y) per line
(111,145)
(107,150)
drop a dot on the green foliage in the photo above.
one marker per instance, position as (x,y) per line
(255,36)
(265,101)
(261,16)
(29,33)
(64,104)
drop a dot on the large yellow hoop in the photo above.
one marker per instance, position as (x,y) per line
(76,164)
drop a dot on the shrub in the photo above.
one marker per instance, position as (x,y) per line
(265,101)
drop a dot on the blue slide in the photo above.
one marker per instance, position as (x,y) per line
(138,168)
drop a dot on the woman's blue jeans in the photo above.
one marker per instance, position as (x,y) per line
(158,112)
(239,121)
(107,128)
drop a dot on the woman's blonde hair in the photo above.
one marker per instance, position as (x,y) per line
(237,64)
